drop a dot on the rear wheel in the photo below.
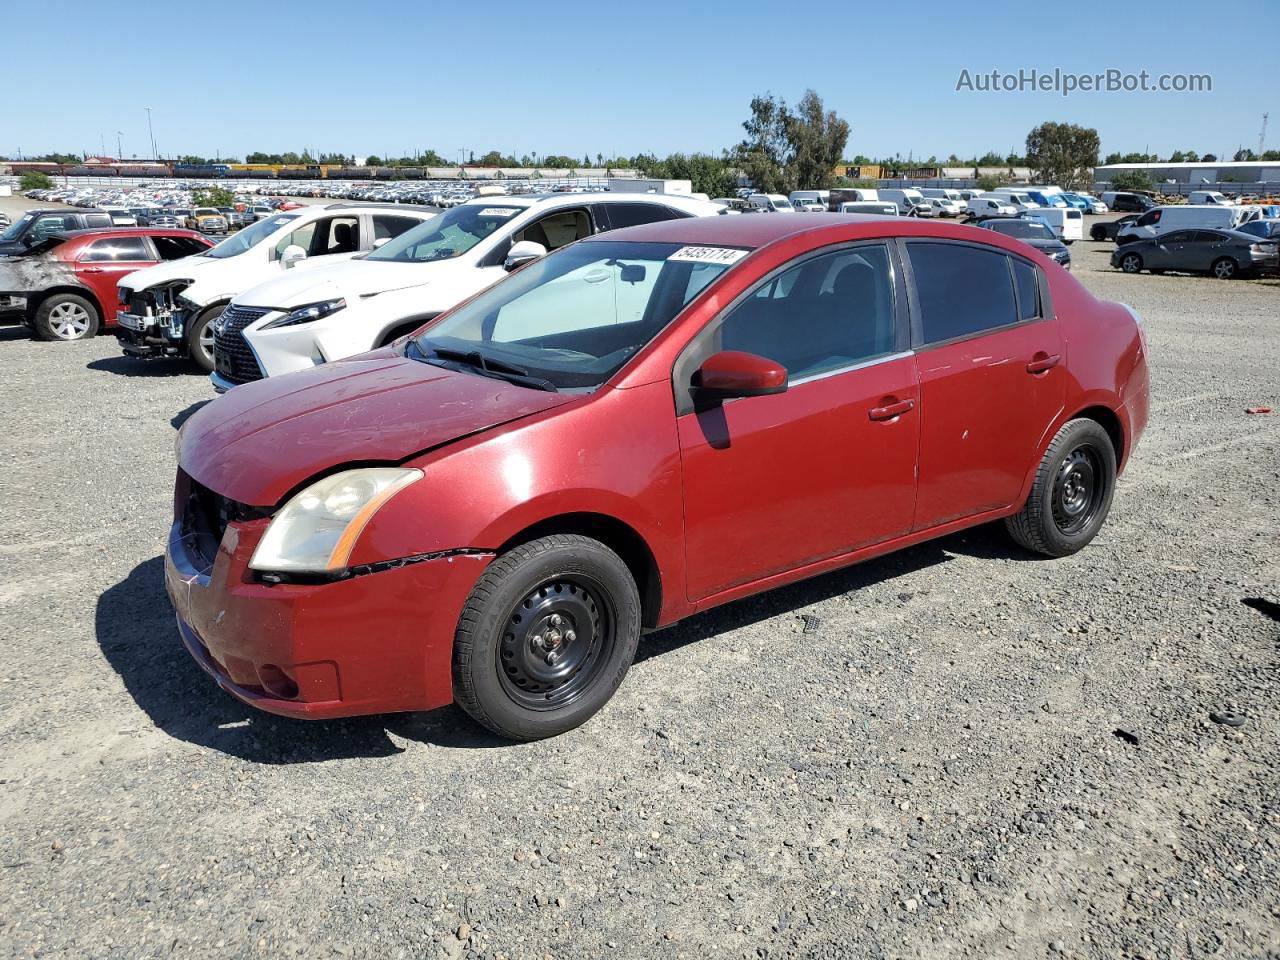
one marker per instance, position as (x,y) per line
(1131,263)
(1072,492)
(546,637)
(65,316)
(199,337)
(1225,268)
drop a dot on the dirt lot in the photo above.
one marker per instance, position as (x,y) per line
(939,771)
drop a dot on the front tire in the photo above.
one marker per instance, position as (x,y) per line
(199,337)
(546,637)
(66,316)
(1131,263)
(1072,492)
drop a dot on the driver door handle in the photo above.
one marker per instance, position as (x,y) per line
(92,269)
(891,410)
(1041,364)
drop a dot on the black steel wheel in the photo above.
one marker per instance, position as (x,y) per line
(1072,491)
(546,637)
(556,640)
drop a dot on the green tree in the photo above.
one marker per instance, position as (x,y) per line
(713,176)
(373,160)
(765,154)
(1244,154)
(558,161)
(1130,180)
(1209,158)
(989,159)
(213,197)
(1063,154)
(990,181)
(35,181)
(818,138)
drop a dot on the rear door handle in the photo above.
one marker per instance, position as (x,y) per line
(92,269)
(891,410)
(1041,364)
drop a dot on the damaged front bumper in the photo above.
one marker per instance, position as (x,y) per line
(152,323)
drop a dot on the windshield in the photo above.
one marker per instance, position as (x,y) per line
(572,319)
(1024,230)
(250,236)
(780,203)
(451,234)
(17,227)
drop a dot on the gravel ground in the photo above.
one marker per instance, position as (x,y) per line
(976,754)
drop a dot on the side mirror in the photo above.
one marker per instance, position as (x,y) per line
(380,241)
(526,251)
(734,373)
(293,254)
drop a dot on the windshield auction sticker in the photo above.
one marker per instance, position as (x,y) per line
(497,211)
(725,255)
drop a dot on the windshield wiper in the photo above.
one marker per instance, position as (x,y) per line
(488,366)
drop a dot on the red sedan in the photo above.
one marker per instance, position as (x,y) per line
(633,429)
(65,287)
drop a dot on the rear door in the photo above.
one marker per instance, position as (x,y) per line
(1170,251)
(992,381)
(772,483)
(104,261)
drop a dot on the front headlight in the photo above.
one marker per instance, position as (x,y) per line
(307,313)
(315,531)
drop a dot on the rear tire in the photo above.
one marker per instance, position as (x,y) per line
(546,637)
(66,316)
(199,337)
(1224,268)
(1072,492)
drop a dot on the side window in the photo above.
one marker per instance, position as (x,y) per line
(1204,236)
(303,237)
(632,214)
(557,229)
(47,224)
(336,235)
(1027,279)
(386,226)
(837,310)
(962,290)
(175,248)
(1178,236)
(117,248)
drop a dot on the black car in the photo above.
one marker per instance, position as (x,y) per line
(1033,233)
(1224,253)
(1137,202)
(35,225)
(1107,229)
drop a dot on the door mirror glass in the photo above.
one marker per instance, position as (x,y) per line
(525,251)
(735,373)
(292,255)
(380,241)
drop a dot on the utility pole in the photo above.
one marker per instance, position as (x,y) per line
(152,134)
(119,148)
(1262,137)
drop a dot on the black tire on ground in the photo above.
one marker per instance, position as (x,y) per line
(1131,263)
(546,637)
(200,329)
(66,316)
(1224,268)
(1072,492)
(1097,233)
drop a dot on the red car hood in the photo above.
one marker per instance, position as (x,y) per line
(257,442)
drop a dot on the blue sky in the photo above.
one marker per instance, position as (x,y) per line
(397,75)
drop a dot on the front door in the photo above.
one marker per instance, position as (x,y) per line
(776,482)
(103,262)
(992,377)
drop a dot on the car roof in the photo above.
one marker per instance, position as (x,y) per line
(124,232)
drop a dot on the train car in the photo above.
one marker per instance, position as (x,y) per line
(352,173)
(299,172)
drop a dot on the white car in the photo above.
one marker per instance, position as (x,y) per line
(991,205)
(167,310)
(299,320)
(947,207)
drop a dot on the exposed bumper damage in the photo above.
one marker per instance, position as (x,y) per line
(22,278)
(153,321)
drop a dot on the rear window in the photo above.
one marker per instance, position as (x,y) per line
(962,290)
(98,220)
(117,248)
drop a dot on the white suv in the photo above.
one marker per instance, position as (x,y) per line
(298,320)
(167,310)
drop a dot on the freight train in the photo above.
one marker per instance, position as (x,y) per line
(215,171)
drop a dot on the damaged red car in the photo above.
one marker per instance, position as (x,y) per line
(64,287)
(633,429)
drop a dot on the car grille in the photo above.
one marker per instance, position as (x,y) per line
(232,356)
(205,517)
